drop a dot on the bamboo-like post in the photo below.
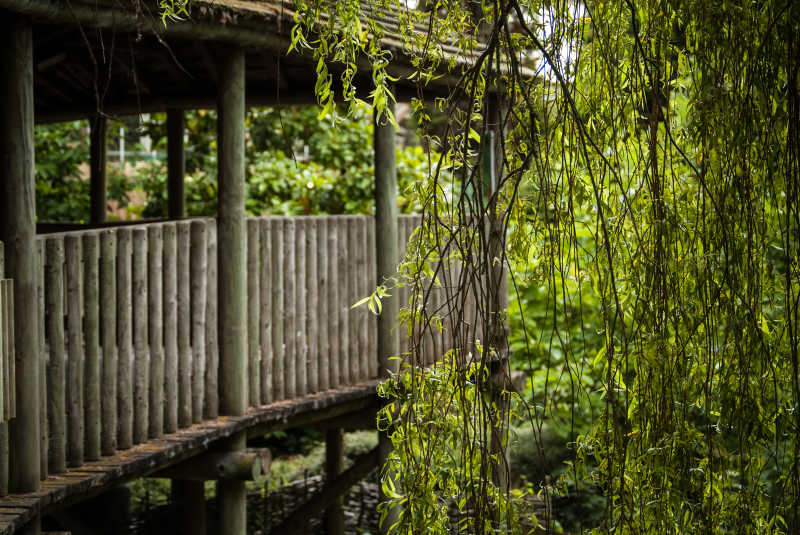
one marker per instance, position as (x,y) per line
(199,264)
(141,364)
(253,310)
(334,349)
(387,258)
(155,329)
(18,232)
(334,456)
(184,325)
(43,427)
(124,340)
(170,267)
(42,405)
(343,301)
(312,304)
(323,347)
(211,409)
(97,168)
(91,337)
(108,334)
(362,290)
(372,329)
(56,373)
(75,358)
(353,288)
(278,348)
(264,311)
(232,264)
(176,164)
(4,446)
(301,345)
(289,309)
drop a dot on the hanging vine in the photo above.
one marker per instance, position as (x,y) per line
(643,184)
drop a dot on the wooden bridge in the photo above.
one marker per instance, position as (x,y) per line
(129,381)
(136,350)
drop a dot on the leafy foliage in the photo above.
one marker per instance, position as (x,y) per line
(649,180)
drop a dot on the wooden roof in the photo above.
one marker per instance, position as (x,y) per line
(121,59)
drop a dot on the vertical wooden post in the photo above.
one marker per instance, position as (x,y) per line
(386,254)
(184,325)
(386,238)
(253,310)
(18,231)
(141,348)
(91,338)
(170,288)
(176,164)
(56,370)
(97,169)
(497,337)
(108,331)
(155,329)
(198,269)
(231,261)
(334,451)
(75,355)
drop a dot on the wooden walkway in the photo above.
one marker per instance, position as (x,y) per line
(144,459)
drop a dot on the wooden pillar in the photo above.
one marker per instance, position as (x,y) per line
(18,232)
(97,169)
(176,164)
(387,258)
(492,169)
(231,260)
(334,452)
(189,499)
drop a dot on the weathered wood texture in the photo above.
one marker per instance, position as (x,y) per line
(145,459)
(130,328)
(17,231)
(113,372)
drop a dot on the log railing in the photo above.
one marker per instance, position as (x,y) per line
(129,321)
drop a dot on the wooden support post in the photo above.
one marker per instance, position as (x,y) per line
(18,232)
(297,521)
(176,164)
(334,514)
(497,337)
(386,253)
(231,262)
(97,169)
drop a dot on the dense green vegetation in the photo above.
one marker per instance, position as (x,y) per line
(297,164)
(649,186)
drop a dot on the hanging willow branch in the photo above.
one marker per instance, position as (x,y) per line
(645,207)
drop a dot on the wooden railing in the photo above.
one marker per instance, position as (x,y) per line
(128,323)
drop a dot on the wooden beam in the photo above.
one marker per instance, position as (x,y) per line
(334,455)
(231,265)
(248,465)
(97,169)
(297,521)
(176,164)
(18,232)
